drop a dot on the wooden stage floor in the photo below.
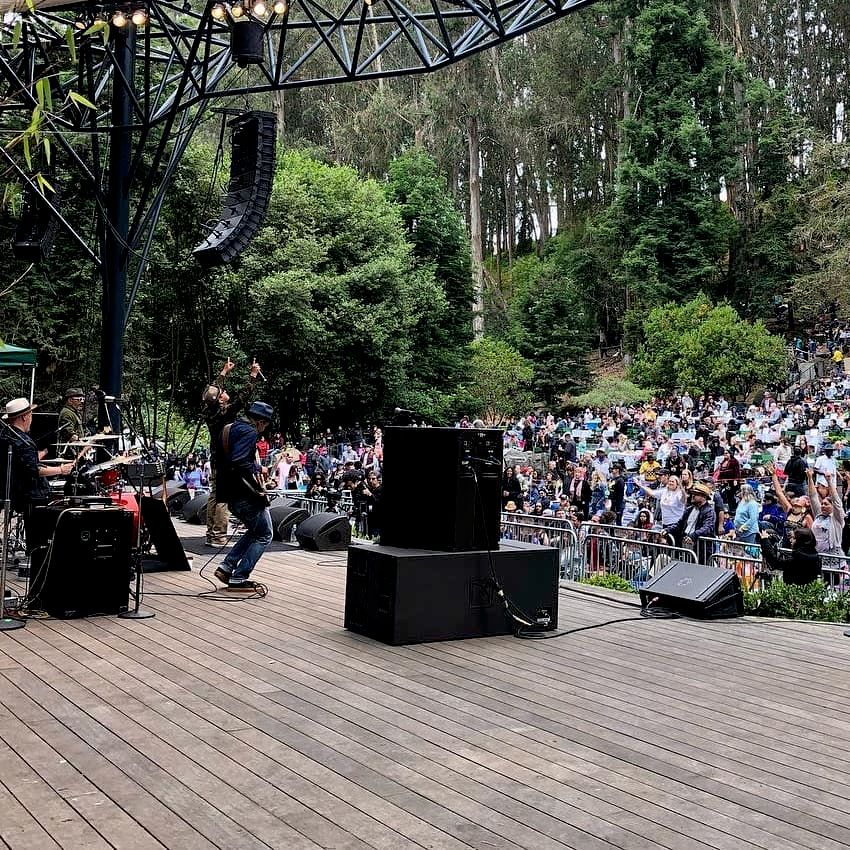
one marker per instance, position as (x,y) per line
(264,724)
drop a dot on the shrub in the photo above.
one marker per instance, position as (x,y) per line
(610,582)
(813,601)
(608,391)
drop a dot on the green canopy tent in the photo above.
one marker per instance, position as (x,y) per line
(13,357)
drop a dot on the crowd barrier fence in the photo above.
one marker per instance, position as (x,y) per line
(544,531)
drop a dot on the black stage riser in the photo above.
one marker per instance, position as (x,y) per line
(401,596)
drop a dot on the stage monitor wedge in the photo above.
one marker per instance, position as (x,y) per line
(694,590)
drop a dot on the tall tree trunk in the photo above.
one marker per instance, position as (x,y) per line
(475,227)
(279,103)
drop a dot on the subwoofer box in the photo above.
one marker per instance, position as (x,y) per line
(401,596)
(694,590)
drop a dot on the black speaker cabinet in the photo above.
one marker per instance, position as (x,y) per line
(195,510)
(170,554)
(401,596)
(694,590)
(81,564)
(324,532)
(284,517)
(442,509)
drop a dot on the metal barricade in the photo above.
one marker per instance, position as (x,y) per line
(546,531)
(708,547)
(633,556)
(747,567)
(835,571)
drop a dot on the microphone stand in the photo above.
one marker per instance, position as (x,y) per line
(136,612)
(7,624)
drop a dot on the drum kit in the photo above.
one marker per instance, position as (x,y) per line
(104,478)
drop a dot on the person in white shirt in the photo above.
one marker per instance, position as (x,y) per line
(782,453)
(825,465)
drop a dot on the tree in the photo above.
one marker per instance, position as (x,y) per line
(435,230)
(667,226)
(703,348)
(550,324)
(498,382)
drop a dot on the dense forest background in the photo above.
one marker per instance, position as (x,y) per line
(542,199)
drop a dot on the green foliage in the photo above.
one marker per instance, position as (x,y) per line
(610,582)
(813,601)
(667,229)
(706,349)
(607,392)
(498,381)
(550,323)
(335,299)
(824,231)
(436,231)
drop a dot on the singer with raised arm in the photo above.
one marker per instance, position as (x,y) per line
(219,410)
(240,484)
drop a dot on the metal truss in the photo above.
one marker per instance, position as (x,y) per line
(121,103)
(184,54)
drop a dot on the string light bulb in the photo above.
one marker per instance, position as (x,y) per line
(140,17)
(218,12)
(119,19)
(280,7)
(236,11)
(259,8)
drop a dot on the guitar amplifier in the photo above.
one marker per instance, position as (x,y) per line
(81,564)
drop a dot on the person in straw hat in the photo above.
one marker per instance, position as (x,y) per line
(699,520)
(28,488)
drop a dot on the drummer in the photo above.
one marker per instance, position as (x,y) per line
(71,428)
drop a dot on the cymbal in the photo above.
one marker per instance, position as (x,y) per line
(96,438)
(78,444)
(118,460)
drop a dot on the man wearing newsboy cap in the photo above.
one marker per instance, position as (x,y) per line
(28,487)
(240,485)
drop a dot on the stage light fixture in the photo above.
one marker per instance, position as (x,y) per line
(280,7)
(140,17)
(259,8)
(218,12)
(119,19)
(80,25)
(236,11)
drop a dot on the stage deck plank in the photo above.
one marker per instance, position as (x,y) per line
(264,724)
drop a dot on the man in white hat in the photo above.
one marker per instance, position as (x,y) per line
(28,487)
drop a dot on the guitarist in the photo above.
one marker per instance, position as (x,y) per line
(239,482)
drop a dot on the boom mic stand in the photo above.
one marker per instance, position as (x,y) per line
(136,612)
(7,624)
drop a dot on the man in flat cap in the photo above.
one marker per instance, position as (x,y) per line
(70,419)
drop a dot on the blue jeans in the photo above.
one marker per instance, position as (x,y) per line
(242,558)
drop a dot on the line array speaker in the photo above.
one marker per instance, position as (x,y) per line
(253,139)
(37,227)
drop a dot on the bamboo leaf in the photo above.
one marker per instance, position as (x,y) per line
(81,100)
(43,184)
(72,45)
(48,150)
(27,152)
(16,33)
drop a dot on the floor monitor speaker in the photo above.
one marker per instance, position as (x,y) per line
(402,596)
(170,554)
(694,590)
(324,532)
(284,518)
(195,510)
